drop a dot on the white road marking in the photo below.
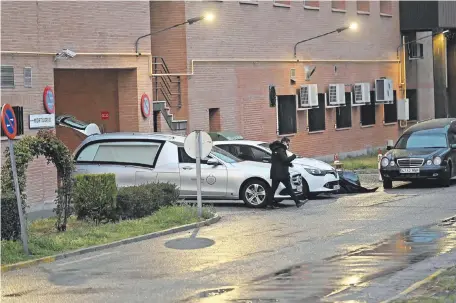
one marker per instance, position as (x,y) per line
(85,259)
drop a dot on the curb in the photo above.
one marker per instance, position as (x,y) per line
(416,285)
(50,259)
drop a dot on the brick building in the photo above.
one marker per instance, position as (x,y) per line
(212,76)
(227,67)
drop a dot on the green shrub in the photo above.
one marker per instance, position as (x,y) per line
(11,226)
(142,200)
(94,197)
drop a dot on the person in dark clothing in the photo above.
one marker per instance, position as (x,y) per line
(280,171)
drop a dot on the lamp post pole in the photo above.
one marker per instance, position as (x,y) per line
(340,29)
(189,21)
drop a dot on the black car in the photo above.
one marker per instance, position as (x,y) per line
(426,150)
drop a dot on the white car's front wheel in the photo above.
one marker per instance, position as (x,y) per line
(255,193)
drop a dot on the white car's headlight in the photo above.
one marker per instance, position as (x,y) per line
(437,161)
(385,162)
(429,162)
(314,171)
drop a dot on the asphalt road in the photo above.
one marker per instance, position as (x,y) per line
(284,255)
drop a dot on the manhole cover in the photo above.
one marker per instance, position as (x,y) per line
(189,243)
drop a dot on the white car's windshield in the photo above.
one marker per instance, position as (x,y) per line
(266,146)
(224,155)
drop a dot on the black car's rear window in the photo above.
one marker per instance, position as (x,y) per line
(420,140)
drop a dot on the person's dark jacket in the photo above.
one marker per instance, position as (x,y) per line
(280,161)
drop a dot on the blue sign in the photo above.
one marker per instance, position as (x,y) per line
(9,124)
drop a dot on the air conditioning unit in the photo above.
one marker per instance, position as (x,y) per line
(336,95)
(403,111)
(308,94)
(384,90)
(415,51)
(361,94)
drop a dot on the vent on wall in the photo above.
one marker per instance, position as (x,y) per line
(7,75)
(27,77)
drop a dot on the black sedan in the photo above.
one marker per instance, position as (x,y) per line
(426,150)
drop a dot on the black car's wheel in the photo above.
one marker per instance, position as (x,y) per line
(387,184)
(255,193)
(446,179)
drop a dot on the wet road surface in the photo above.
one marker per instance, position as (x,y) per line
(285,255)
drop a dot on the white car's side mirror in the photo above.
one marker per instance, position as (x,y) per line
(213,162)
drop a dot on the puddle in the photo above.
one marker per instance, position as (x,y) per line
(318,282)
(189,243)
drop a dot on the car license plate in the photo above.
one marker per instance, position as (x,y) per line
(337,187)
(409,170)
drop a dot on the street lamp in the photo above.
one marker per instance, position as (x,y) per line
(352,26)
(208,17)
(431,35)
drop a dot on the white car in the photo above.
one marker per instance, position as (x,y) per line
(318,176)
(137,158)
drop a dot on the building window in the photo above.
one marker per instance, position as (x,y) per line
(286,114)
(19,113)
(312,5)
(28,77)
(282,3)
(368,112)
(316,116)
(255,2)
(413,104)
(344,114)
(7,75)
(338,6)
(214,120)
(363,7)
(390,111)
(386,8)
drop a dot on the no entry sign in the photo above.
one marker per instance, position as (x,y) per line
(145,105)
(9,123)
(49,100)
(104,115)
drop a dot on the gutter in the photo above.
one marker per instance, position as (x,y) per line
(194,61)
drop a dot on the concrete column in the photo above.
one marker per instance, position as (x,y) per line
(425,79)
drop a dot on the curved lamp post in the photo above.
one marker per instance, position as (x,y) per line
(353,26)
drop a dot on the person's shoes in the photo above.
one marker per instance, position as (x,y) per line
(299,203)
(273,206)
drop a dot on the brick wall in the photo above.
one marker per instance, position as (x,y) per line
(171,45)
(83,26)
(237,81)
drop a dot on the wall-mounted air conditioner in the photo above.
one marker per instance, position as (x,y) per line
(403,112)
(336,95)
(415,51)
(361,92)
(384,90)
(308,96)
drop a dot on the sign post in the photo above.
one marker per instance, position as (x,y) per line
(198,172)
(9,126)
(198,145)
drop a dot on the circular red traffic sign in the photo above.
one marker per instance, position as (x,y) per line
(145,105)
(49,100)
(9,123)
